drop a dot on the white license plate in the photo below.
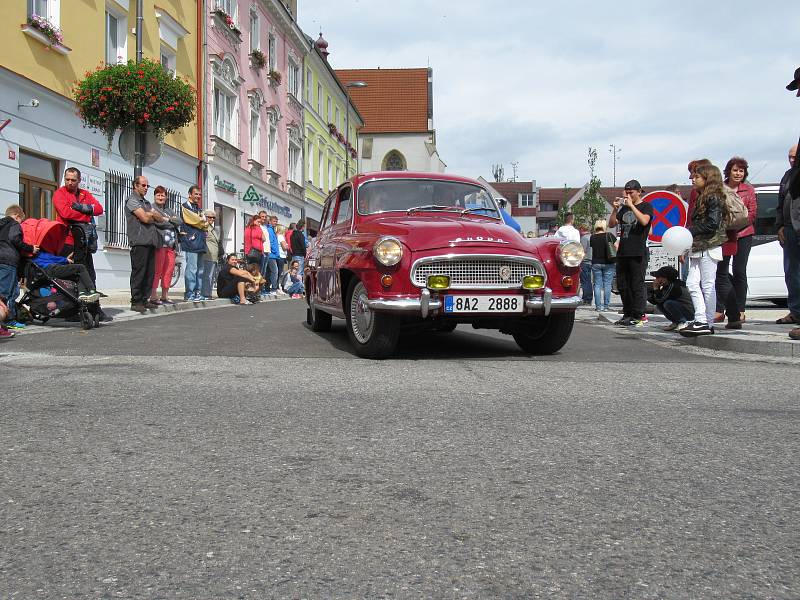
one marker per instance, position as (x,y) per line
(484,304)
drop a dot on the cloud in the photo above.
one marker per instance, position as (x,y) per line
(538,83)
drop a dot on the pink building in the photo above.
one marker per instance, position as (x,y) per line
(254,146)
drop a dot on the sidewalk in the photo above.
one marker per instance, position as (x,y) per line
(760,335)
(117,305)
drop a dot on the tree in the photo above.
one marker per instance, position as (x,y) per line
(497,172)
(591,206)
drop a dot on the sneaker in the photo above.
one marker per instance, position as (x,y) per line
(624,322)
(733,325)
(88,297)
(151,305)
(296,296)
(138,307)
(696,329)
(670,327)
(14,325)
(5,334)
(682,326)
(235,300)
(639,322)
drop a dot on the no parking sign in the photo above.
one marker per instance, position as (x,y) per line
(669,210)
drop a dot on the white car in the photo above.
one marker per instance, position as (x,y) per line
(765,266)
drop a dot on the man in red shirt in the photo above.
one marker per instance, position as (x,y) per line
(76,207)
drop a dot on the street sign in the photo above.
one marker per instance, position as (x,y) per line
(669,210)
(251,195)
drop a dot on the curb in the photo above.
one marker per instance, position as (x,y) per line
(750,341)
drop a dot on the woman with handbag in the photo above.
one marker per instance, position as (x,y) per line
(165,252)
(708,235)
(604,252)
(253,240)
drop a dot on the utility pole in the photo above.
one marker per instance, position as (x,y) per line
(614,153)
(138,133)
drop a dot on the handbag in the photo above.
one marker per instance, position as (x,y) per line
(611,249)
(254,255)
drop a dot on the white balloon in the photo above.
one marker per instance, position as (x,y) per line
(676,240)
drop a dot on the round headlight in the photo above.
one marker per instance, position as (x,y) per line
(388,251)
(571,254)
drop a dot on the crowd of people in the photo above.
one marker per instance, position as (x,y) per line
(274,254)
(712,285)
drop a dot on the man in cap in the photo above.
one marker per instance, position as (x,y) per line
(634,219)
(669,295)
(788,224)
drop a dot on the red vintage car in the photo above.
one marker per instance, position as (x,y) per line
(400,251)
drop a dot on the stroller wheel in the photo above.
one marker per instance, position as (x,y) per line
(96,320)
(86,320)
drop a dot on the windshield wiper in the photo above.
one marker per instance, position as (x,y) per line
(427,207)
(477,208)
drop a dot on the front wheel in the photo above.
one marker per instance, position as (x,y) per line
(316,319)
(373,334)
(545,335)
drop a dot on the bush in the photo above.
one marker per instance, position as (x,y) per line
(115,96)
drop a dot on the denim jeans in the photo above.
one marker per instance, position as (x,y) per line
(209,277)
(586,281)
(295,288)
(603,276)
(676,312)
(9,289)
(193,274)
(791,269)
(272,267)
(701,283)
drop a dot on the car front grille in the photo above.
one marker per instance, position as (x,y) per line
(477,271)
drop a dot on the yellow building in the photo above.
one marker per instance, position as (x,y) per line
(46,46)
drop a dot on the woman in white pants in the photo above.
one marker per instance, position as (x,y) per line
(708,234)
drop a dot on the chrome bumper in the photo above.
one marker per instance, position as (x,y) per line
(425,305)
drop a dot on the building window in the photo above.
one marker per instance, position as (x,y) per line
(229,6)
(319,168)
(548,207)
(330,173)
(168,59)
(319,99)
(527,200)
(294,163)
(293,78)
(394,161)
(309,81)
(328,113)
(272,57)
(336,122)
(115,39)
(310,158)
(47,9)
(224,115)
(338,175)
(254,31)
(255,137)
(273,143)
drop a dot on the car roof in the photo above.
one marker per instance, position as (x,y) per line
(768,188)
(373,175)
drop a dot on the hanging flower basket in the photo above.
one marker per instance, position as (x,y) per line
(50,31)
(112,97)
(275,76)
(332,128)
(258,59)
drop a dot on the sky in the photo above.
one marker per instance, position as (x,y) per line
(538,83)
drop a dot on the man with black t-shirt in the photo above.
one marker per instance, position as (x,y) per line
(634,218)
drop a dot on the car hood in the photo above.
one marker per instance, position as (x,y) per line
(422,233)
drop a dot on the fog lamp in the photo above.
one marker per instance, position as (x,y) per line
(386,281)
(533,282)
(566,281)
(438,282)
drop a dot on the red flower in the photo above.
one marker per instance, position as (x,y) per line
(146,115)
(141,87)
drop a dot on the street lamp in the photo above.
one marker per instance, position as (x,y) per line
(347,86)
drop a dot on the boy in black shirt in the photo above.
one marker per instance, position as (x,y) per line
(634,219)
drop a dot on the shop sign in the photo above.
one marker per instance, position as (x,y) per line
(251,195)
(274,208)
(95,185)
(224,184)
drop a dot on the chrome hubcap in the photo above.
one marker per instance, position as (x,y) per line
(362,319)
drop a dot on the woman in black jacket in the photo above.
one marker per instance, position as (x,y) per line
(708,235)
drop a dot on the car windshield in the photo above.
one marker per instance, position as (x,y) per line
(413,195)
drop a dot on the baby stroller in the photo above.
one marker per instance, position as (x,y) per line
(49,298)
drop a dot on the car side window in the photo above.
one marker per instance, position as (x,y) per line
(345,206)
(326,212)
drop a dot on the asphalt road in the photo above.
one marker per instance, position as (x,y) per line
(233,453)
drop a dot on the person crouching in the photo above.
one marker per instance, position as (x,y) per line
(670,295)
(232,280)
